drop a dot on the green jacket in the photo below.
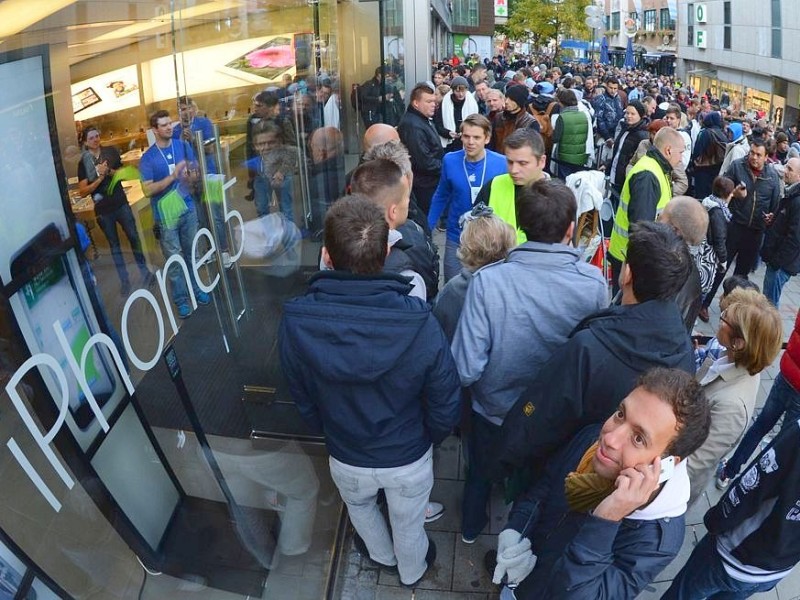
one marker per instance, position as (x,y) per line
(571,130)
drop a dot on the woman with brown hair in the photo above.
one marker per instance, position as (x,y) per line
(750,329)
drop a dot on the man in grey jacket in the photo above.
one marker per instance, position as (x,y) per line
(516,312)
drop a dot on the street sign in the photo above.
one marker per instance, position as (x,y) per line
(594,23)
(700,13)
(700,38)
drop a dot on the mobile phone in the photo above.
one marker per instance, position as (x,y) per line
(667,469)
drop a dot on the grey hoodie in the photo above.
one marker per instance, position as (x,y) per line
(516,313)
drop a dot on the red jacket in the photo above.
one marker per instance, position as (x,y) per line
(790,362)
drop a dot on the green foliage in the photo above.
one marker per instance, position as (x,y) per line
(541,21)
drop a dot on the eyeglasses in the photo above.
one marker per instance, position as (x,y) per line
(730,324)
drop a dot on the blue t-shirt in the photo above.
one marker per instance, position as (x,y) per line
(203,125)
(155,166)
(458,176)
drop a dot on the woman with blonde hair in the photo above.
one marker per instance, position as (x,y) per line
(485,238)
(750,329)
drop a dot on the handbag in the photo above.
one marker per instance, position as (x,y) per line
(171,207)
(707,265)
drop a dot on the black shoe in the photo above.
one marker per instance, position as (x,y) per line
(361,547)
(430,558)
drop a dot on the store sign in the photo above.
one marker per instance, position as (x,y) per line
(700,38)
(500,8)
(700,13)
(78,364)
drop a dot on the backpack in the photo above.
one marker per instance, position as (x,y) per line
(714,154)
(545,124)
(422,253)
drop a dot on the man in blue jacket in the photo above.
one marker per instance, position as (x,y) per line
(369,367)
(600,524)
(464,173)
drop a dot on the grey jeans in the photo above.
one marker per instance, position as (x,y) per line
(407,490)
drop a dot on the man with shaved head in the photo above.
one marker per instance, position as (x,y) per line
(645,193)
(380,133)
(690,218)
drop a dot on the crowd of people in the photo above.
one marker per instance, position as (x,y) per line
(596,409)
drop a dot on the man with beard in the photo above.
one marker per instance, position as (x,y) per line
(514,117)
(456,105)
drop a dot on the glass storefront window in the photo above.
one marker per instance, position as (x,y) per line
(167,168)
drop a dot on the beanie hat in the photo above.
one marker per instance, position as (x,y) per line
(638,106)
(459,81)
(545,87)
(519,94)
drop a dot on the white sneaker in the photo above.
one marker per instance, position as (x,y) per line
(226,260)
(433,512)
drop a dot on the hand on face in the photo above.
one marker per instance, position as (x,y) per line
(634,487)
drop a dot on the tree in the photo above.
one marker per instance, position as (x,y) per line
(540,21)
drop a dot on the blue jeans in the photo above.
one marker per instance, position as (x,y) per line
(108,223)
(703,576)
(452,266)
(407,490)
(774,280)
(783,398)
(262,195)
(179,241)
(483,439)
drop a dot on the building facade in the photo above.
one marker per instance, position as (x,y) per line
(746,50)
(650,24)
(143,454)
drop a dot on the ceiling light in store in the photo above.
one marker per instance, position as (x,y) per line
(17,15)
(94,25)
(187,13)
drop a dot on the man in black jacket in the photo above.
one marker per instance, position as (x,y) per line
(753,538)
(781,249)
(755,200)
(418,133)
(607,351)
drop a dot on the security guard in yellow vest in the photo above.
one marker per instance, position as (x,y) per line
(526,158)
(646,191)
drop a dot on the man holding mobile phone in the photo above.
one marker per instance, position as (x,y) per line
(755,200)
(600,523)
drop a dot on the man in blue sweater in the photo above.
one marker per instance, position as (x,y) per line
(370,367)
(464,173)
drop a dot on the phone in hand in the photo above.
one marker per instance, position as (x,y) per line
(667,469)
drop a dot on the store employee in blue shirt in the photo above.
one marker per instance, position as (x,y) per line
(463,174)
(168,166)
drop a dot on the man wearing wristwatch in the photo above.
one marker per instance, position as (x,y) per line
(95,170)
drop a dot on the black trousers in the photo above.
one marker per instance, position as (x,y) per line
(743,244)
(424,195)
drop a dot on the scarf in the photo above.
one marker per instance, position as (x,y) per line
(585,489)
(448,116)
(714,202)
